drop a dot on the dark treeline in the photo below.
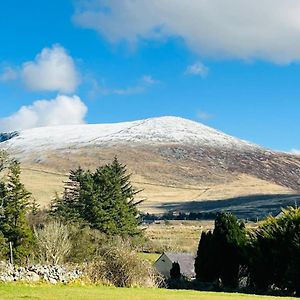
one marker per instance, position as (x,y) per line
(262,260)
(169,216)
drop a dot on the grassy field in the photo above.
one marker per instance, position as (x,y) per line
(46,292)
(178,236)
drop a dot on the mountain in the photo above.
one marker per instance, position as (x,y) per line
(174,160)
(158,131)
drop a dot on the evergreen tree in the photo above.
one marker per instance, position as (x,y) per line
(103,199)
(274,258)
(175,271)
(220,254)
(230,239)
(205,262)
(15,204)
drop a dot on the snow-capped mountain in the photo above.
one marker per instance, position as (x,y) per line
(171,159)
(163,130)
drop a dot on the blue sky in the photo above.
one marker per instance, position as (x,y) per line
(108,61)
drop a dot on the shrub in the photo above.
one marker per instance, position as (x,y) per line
(119,265)
(52,243)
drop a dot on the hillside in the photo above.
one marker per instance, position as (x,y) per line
(173,159)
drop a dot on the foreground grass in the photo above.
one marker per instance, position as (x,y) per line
(47,292)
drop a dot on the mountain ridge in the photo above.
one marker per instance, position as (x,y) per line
(170,158)
(161,130)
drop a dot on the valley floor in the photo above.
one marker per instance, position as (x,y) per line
(46,292)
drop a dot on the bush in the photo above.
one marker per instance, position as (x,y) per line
(52,243)
(118,265)
(86,243)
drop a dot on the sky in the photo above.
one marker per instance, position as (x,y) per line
(232,65)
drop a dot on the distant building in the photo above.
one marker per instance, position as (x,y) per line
(186,262)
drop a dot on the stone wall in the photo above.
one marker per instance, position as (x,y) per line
(36,273)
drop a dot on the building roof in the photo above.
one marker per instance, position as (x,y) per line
(186,262)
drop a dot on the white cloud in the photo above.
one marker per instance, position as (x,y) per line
(197,68)
(62,110)
(8,74)
(263,29)
(52,70)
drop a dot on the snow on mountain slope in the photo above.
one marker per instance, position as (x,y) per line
(162,130)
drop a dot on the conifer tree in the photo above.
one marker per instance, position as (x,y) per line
(15,204)
(175,272)
(220,254)
(104,199)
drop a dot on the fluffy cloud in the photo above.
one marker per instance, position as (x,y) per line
(197,69)
(62,110)
(8,74)
(52,70)
(263,29)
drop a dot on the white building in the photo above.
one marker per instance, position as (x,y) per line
(186,262)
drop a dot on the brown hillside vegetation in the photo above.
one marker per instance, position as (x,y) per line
(171,173)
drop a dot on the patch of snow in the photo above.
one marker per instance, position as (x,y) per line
(153,131)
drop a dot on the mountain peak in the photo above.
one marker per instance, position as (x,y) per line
(154,131)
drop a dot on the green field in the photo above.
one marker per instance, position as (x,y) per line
(24,291)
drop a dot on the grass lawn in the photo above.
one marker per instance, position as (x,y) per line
(26,291)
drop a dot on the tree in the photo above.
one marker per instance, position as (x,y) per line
(205,262)
(53,242)
(105,200)
(15,205)
(274,257)
(230,239)
(220,254)
(175,271)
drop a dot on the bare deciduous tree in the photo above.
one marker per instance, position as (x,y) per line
(53,242)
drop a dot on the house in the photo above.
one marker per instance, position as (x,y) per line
(186,262)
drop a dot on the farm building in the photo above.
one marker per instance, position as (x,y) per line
(186,262)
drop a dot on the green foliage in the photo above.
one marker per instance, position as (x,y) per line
(220,254)
(275,253)
(103,199)
(86,243)
(14,207)
(205,263)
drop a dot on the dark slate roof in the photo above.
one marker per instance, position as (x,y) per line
(186,262)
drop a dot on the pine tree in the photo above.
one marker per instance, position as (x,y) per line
(175,272)
(220,254)
(15,205)
(205,262)
(229,238)
(105,200)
